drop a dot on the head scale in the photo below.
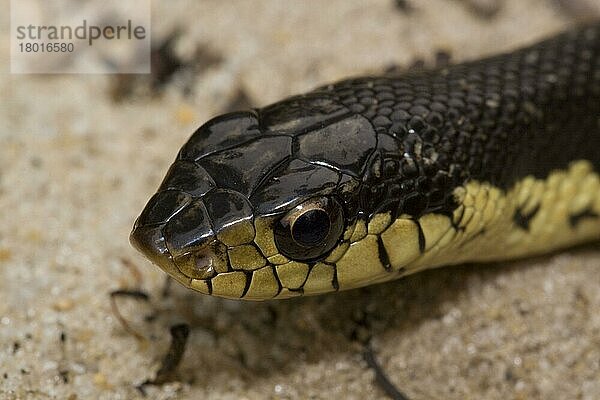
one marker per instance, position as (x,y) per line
(287,200)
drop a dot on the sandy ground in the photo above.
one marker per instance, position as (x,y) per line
(80,155)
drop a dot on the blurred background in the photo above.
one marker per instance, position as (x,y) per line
(81,154)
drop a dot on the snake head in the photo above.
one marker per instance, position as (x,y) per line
(181,229)
(374,178)
(255,199)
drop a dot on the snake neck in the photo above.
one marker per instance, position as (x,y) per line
(498,120)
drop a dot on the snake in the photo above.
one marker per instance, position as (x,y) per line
(374,178)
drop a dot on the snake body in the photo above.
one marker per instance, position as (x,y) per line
(370,179)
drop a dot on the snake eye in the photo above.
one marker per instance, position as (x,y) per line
(310,230)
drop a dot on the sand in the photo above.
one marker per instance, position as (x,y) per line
(81,154)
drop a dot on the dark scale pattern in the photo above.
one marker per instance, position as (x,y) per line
(496,120)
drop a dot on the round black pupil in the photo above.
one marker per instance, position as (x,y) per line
(311,228)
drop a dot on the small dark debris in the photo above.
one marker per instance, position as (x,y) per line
(36,162)
(204,58)
(395,70)
(134,270)
(485,9)
(63,372)
(381,378)
(272,315)
(242,359)
(135,294)
(151,317)
(417,65)
(442,58)
(164,62)
(5,375)
(171,360)
(362,330)
(165,65)
(362,334)
(16,346)
(509,376)
(142,389)
(166,290)
(123,86)
(581,298)
(64,376)
(404,6)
